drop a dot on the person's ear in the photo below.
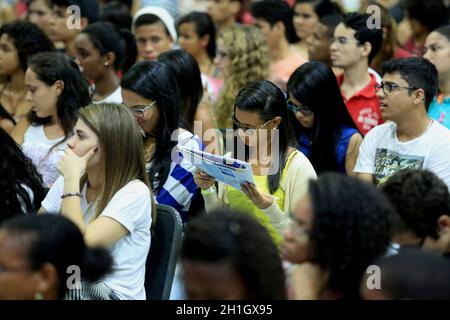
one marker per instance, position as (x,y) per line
(276,122)
(366,49)
(204,41)
(419,96)
(109,59)
(59,87)
(279,27)
(443,224)
(84,22)
(48,281)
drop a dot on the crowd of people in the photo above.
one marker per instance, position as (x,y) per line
(346,127)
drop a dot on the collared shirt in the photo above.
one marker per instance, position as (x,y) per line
(364,106)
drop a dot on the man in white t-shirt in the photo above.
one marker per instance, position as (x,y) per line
(410,138)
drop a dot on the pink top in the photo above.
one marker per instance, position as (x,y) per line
(281,70)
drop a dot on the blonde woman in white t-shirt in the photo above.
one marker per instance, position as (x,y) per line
(104,190)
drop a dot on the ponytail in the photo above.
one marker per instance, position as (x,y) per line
(130,50)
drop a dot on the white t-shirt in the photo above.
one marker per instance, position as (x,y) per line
(381,154)
(115,97)
(36,146)
(131,207)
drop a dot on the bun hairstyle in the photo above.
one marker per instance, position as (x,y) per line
(56,240)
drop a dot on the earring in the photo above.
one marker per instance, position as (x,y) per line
(106,64)
(38,296)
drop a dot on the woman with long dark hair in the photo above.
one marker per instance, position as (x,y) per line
(57,90)
(20,182)
(325,130)
(150,90)
(264,139)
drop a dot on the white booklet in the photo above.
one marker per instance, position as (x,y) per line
(231,171)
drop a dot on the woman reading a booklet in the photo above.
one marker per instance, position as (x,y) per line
(263,138)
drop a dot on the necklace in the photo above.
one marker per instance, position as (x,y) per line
(417,139)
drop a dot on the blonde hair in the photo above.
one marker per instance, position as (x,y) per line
(122,148)
(248,54)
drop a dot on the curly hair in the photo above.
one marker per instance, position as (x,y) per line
(225,235)
(28,40)
(17,174)
(351,228)
(248,54)
(420,198)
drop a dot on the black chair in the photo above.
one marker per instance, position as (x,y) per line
(163,254)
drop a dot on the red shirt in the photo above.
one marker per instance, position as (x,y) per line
(364,106)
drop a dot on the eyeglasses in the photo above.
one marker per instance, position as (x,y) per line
(388,87)
(139,111)
(299,108)
(342,41)
(298,230)
(245,127)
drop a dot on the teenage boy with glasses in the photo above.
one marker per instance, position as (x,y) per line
(410,138)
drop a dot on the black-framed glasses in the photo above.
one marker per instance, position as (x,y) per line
(139,111)
(246,127)
(388,87)
(305,110)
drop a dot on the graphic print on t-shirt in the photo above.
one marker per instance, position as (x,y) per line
(367,119)
(388,162)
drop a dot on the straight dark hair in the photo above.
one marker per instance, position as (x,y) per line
(204,26)
(308,84)
(51,67)
(187,73)
(266,99)
(155,81)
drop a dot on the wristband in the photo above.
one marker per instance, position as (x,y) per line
(75,194)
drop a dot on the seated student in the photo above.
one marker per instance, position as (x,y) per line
(20,182)
(318,44)
(40,13)
(154,29)
(57,90)
(224,12)
(195,109)
(307,14)
(228,255)
(410,139)
(281,173)
(197,35)
(437,51)
(339,228)
(104,190)
(37,253)
(424,17)
(352,49)
(274,19)
(58,28)
(102,51)
(409,275)
(19,40)
(242,56)
(325,131)
(151,92)
(422,201)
